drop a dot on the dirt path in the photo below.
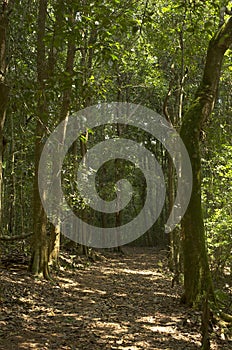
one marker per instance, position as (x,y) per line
(125,302)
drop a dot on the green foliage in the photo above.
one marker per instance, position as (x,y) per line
(124,51)
(217,200)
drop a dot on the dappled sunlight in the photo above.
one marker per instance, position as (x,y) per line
(161,329)
(123,303)
(114,327)
(152,274)
(142,272)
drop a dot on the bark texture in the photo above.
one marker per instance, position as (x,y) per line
(39,259)
(54,244)
(197,278)
(4,89)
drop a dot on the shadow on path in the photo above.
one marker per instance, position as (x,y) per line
(123,302)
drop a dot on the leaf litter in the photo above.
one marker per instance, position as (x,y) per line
(121,301)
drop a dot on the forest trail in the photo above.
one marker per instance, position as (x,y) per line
(121,302)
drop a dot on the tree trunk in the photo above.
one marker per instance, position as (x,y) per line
(82,249)
(54,244)
(39,259)
(197,277)
(4,89)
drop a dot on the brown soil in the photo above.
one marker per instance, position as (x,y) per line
(121,302)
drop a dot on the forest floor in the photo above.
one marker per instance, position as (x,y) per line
(119,302)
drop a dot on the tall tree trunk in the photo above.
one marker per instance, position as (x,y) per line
(86,66)
(197,277)
(82,249)
(39,259)
(54,244)
(4,89)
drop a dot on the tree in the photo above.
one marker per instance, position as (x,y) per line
(39,259)
(54,243)
(4,88)
(197,277)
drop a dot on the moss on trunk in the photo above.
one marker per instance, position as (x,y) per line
(197,275)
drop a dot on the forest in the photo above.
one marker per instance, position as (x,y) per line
(115,174)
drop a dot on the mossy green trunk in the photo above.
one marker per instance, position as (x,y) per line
(197,278)
(196,269)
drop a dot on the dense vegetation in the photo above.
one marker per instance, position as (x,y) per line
(58,57)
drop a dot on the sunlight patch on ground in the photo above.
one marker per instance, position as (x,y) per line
(68,282)
(112,326)
(161,329)
(131,271)
(165,295)
(26,345)
(93,291)
(121,295)
(141,272)
(129,348)
(148,319)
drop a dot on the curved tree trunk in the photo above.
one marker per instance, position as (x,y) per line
(197,278)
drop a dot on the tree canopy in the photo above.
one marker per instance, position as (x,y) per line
(59,57)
